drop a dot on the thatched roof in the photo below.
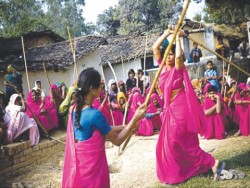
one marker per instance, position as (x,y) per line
(13,45)
(58,55)
(130,47)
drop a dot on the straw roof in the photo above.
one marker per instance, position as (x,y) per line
(57,55)
(129,47)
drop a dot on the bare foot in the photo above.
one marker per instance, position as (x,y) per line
(215,168)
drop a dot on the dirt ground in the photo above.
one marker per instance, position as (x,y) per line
(135,167)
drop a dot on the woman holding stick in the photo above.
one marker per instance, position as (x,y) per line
(85,163)
(178,154)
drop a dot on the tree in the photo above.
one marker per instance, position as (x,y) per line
(226,11)
(107,23)
(20,16)
(139,15)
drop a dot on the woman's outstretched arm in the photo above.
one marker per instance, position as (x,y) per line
(121,137)
(158,43)
(178,51)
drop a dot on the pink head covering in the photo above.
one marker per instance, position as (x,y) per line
(53,87)
(135,89)
(242,86)
(206,87)
(153,97)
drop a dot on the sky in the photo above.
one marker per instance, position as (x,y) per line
(94,7)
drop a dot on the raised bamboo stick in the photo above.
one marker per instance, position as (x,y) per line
(73,54)
(145,57)
(177,28)
(26,69)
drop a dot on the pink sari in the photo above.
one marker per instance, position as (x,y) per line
(178,154)
(215,125)
(147,125)
(134,102)
(49,119)
(17,122)
(103,109)
(85,163)
(245,117)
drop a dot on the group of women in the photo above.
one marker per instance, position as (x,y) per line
(21,119)
(177,109)
(177,112)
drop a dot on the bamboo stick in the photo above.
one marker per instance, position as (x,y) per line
(113,71)
(26,69)
(46,74)
(223,69)
(227,61)
(73,54)
(108,97)
(162,64)
(123,70)
(145,56)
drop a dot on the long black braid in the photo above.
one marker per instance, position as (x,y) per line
(88,79)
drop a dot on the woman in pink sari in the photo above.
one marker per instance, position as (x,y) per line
(46,113)
(85,163)
(178,154)
(242,109)
(17,121)
(135,100)
(214,117)
(152,119)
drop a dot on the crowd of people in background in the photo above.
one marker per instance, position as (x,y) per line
(224,100)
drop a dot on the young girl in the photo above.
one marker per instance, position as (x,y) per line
(131,81)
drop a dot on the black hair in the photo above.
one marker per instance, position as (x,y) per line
(87,80)
(131,71)
(209,61)
(164,49)
(211,88)
(140,71)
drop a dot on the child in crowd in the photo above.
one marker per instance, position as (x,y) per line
(212,75)
(131,81)
(196,53)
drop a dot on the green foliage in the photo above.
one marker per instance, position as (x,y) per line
(138,15)
(21,16)
(226,11)
(107,22)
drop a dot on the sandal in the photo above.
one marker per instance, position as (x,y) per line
(237,134)
(226,175)
(237,173)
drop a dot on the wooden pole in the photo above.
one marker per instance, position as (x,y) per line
(46,74)
(162,64)
(73,54)
(108,97)
(26,69)
(229,62)
(145,56)
(113,71)
(223,69)
(123,70)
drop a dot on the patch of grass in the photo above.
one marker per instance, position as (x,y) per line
(235,152)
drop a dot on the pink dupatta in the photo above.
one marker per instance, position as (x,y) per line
(85,163)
